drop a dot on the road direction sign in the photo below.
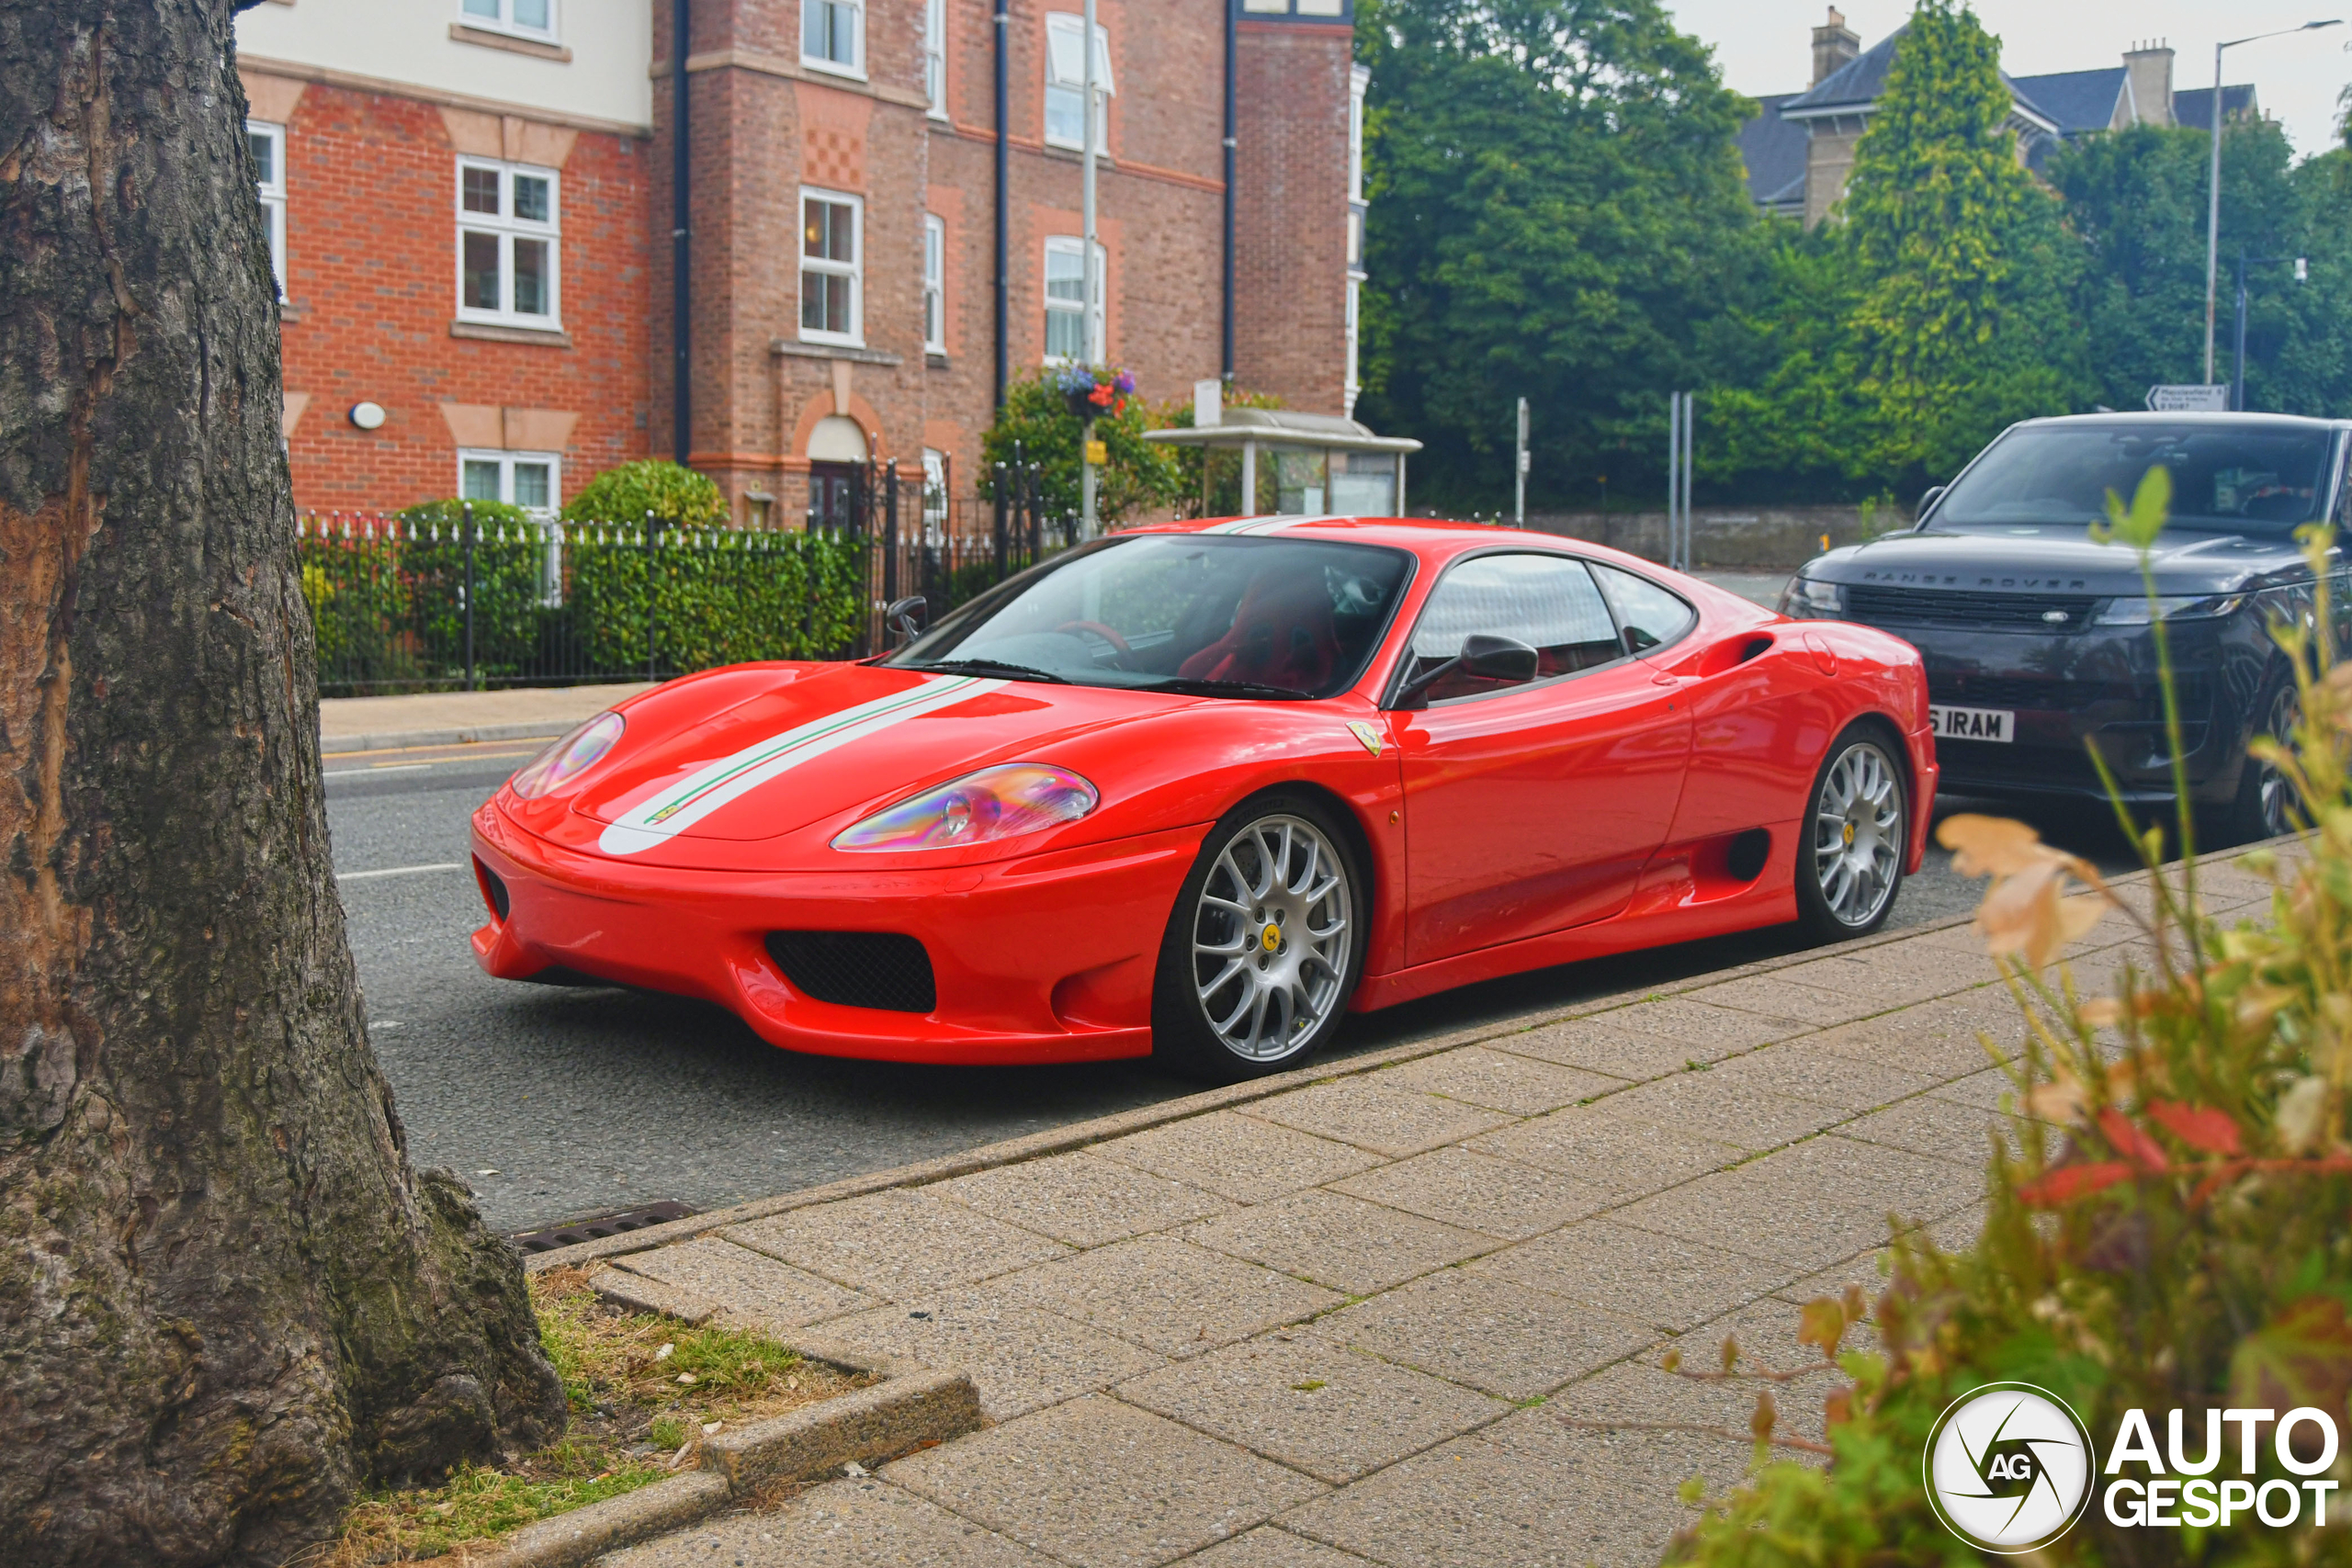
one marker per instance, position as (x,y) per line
(2188,400)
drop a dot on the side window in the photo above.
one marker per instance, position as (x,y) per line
(1547,602)
(1652,617)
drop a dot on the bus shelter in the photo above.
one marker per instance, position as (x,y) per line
(1261,462)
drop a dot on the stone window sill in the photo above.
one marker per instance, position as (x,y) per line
(536,336)
(935,361)
(507,42)
(792,348)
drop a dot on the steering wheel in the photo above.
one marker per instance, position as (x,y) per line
(1098,630)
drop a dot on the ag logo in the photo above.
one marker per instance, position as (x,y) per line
(2009,1468)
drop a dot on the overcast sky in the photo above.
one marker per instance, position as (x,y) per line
(1766,46)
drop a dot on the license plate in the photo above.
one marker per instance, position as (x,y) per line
(1974,724)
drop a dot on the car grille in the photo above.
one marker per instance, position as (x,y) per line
(857,970)
(1878,605)
(2039,694)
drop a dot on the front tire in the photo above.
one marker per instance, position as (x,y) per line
(1265,945)
(2265,799)
(1855,835)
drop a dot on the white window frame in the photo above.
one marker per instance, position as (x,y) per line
(1358,84)
(854,269)
(1354,384)
(1062,29)
(1074,246)
(855,65)
(272,192)
(934,495)
(934,56)
(934,284)
(509,229)
(505,21)
(505,462)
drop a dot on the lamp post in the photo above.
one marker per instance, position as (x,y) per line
(2213,190)
(1091,279)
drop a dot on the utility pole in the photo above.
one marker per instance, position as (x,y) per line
(1093,277)
(1518,471)
(1674,481)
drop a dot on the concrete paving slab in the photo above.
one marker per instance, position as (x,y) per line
(750,1285)
(843,1524)
(1102,1484)
(896,1244)
(1312,1403)
(1082,1197)
(1867,1272)
(1372,1114)
(1691,1103)
(1484,1192)
(1942,1129)
(1804,1070)
(1518,1085)
(1021,1357)
(1889,976)
(1638,1393)
(1236,1157)
(1666,1281)
(1335,1240)
(1627,1158)
(1168,1295)
(1776,997)
(1943,1040)
(1737,1213)
(1650,1038)
(1271,1546)
(1490,1333)
(1869,1177)
(1984,1090)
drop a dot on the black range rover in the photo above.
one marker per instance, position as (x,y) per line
(2037,641)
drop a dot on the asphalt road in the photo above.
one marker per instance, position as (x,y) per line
(557,1105)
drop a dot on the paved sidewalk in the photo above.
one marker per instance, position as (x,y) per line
(456,718)
(1406,1310)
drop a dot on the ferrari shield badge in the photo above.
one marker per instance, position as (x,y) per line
(1366,733)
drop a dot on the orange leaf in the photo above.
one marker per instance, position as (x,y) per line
(2131,1139)
(1822,1323)
(2070,1182)
(2201,1127)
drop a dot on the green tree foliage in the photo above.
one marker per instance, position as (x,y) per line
(1140,478)
(1557,212)
(676,496)
(2137,200)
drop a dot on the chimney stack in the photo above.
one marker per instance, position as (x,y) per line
(1833,46)
(2150,69)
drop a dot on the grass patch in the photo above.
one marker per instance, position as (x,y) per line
(644,1391)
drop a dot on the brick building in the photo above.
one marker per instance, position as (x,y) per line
(474,213)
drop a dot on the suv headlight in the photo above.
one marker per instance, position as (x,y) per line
(995,803)
(1811,599)
(2139,612)
(570,757)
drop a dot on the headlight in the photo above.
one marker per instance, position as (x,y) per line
(570,757)
(2140,611)
(1810,599)
(995,803)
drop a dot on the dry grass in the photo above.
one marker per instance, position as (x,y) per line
(643,1389)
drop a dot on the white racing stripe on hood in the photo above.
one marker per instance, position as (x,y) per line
(669,811)
(1254,524)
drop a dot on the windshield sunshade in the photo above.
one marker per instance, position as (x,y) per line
(1205,614)
(2241,479)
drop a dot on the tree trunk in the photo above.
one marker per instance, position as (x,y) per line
(225,1297)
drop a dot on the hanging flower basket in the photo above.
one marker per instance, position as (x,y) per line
(1096,393)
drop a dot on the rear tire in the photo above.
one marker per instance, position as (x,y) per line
(1854,838)
(1265,945)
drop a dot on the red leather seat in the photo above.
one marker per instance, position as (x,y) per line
(1281,635)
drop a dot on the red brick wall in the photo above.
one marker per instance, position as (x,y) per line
(371,285)
(1291,272)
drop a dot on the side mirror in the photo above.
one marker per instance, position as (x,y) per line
(903,617)
(1489,657)
(1928,502)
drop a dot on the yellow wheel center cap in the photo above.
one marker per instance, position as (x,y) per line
(1850,832)
(1271,938)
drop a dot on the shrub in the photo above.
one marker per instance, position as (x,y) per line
(1139,478)
(2171,1233)
(678,497)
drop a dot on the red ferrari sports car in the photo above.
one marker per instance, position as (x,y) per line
(1202,789)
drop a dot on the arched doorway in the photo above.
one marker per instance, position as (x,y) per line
(837,467)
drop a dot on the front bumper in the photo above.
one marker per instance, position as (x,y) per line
(1048,958)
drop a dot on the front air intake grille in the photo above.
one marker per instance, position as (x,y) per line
(857,970)
(1879,605)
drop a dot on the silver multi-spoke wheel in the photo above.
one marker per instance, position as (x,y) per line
(1271,935)
(2274,795)
(1857,834)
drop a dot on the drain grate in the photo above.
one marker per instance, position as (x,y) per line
(601,1226)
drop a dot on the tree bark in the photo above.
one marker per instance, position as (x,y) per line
(226,1299)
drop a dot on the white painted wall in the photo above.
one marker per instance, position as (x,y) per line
(408,42)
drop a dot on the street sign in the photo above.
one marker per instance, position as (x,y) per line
(2188,400)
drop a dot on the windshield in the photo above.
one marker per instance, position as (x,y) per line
(1223,616)
(2246,479)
